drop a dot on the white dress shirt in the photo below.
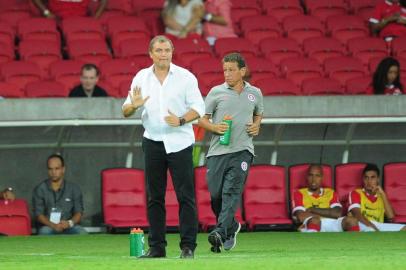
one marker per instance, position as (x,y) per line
(178,93)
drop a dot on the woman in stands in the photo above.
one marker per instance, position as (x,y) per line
(182,18)
(386,79)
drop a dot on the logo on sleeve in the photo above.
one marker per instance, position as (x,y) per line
(244,166)
(251,97)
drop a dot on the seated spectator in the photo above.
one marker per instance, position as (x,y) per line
(386,79)
(387,20)
(182,18)
(369,205)
(88,83)
(57,203)
(318,209)
(62,9)
(217,19)
(7,194)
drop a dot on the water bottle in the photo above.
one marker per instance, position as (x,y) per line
(225,138)
(136,242)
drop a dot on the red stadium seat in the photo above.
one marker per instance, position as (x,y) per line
(277,87)
(322,86)
(45,89)
(266,189)
(124,198)
(15,218)
(256,28)
(344,68)
(395,188)
(301,27)
(21,72)
(325,8)
(116,71)
(298,177)
(67,72)
(280,48)
(9,90)
(41,52)
(150,11)
(208,69)
(14,5)
(366,48)
(358,86)
(120,5)
(298,69)
(399,47)
(136,50)
(208,81)
(241,9)
(205,214)
(261,68)
(321,48)
(82,28)
(362,8)
(89,51)
(190,50)
(347,178)
(124,88)
(6,53)
(7,34)
(282,9)
(39,29)
(225,46)
(346,27)
(13,17)
(122,28)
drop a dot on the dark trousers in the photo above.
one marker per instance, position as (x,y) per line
(180,165)
(226,176)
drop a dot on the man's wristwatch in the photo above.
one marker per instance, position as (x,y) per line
(208,17)
(71,224)
(46,12)
(182,121)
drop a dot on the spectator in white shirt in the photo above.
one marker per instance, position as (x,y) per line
(170,100)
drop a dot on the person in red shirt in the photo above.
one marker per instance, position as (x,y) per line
(387,20)
(386,79)
(62,9)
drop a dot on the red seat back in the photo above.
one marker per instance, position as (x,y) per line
(265,200)
(395,188)
(347,178)
(14,217)
(124,198)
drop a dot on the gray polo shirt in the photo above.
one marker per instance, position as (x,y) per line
(223,100)
(68,199)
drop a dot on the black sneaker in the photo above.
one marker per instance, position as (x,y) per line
(215,241)
(187,253)
(230,243)
(154,253)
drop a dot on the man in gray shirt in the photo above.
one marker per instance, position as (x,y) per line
(57,203)
(228,165)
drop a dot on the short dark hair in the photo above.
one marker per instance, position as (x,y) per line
(236,58)
(90,66)
(58,156)
(315,165)
(402,3)
(371,167)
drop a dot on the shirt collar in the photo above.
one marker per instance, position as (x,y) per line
(320,193)
(246,84)
(50,186)
(172,68)
(368,194)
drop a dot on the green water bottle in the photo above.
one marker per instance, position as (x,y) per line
(136,242)
(225,138)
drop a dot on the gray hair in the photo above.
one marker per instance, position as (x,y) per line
(160,39)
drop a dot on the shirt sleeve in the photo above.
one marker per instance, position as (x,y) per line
(194,99)
(297,202)
(377,15)
(210,102)
(77,201)
(354,200)
(38,202)
(335,202)
(259,107)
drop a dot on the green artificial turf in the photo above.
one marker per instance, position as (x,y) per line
(262,250)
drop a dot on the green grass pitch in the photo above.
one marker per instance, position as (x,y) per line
(259,250)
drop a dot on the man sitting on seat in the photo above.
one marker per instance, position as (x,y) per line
(370,205)
(7,194)
(318,209)
(88,83)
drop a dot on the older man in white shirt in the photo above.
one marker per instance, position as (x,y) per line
(170,100)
